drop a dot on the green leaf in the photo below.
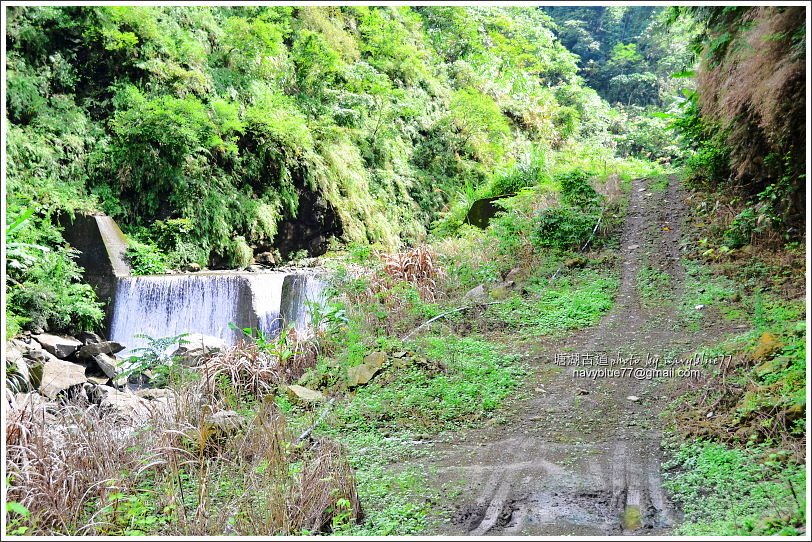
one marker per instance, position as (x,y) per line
(684,74)
(17,508)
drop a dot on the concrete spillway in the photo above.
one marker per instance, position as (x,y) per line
(209,303)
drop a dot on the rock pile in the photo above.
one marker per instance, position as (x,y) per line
(46,371)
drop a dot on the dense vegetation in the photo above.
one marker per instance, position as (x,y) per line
(365,134)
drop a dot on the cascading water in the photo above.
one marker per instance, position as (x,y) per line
(209,303)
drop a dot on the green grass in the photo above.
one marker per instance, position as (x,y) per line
(449,382)
(395,501)
(570,302)
(729,491)
(653,285)
(703,287)
(658,183)
(442,383)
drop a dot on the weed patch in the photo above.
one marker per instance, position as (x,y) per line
(729,491)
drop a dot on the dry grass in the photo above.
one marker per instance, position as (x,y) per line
(417,267)
(177,472)
(257,371)
(757,89)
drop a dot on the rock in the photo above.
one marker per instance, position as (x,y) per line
(253,268)
(225,421)
(699,307)
(123,403)
(375,359)
(581,391)
(633,398)
(197,348)
(59,375)
(633,247)
(401,354)
(192,267)
(30,401)
(60,346)
(91,350)
(89,338)
(108,364)
(501,290)
(265,258)
(18,374)
(98,380)
(361,374)
(304,394)
(477,294)
(766,348)
(515,274)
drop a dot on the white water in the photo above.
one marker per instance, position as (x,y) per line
(266,292)
(168,305)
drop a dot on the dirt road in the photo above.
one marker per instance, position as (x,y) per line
(582,456)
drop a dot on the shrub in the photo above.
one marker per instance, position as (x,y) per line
(43,280)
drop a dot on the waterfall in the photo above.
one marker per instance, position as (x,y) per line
(208,303)
(298,291)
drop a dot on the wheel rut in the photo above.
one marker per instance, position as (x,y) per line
(582,456)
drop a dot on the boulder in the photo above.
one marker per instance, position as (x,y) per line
(197,348)
(265,258)
(306,395)
(60,346)
(108,364)
(88,337)
(123,403)
(477,294)
(375,359)
(502,289)
(768,345)
(88,351)
(18,375)
(360,374)
(30,401)
(59,375)
(225,421)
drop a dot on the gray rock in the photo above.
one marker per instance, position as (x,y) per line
(360,374)
(88,337)
(124,403)
(477,294)
(59,375)
(89,351)
(303,394)
(226,421)
(197,348)
(60,346)
(18,374)
(108,364)
(192,268)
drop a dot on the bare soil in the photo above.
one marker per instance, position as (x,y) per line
(577,456)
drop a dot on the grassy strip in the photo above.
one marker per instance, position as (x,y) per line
(727,491)
(571,302)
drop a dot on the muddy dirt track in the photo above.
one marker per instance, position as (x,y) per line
(579,457)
